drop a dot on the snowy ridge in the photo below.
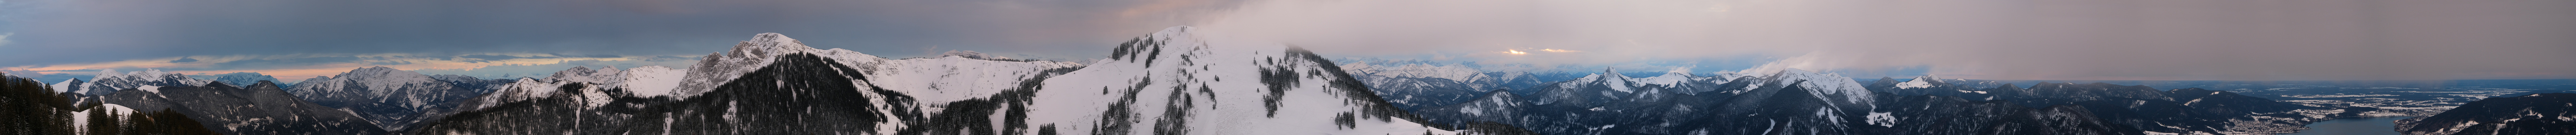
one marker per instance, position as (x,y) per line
(1172,82)
(609,76)
(524,89)
(1609,77)
(953,78)
(390,97)
(643,81)
(652,80)
(930,80)
(1453,71)
(1622,87)
(1176,82)
(365,83)
(109,81)
(1919,82)
(1832,87)
(1669,79)
(66,85)
(721,67)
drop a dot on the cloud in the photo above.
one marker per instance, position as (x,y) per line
(587,56)
(500,57)
(183,60)
(1990,39)
(1987,39)
(121,30)
(298,67)
(4,38)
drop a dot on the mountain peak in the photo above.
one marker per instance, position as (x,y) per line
(109,81)
(1925,81)
(965,54)
(768,45)
(748,55)
(107,73)
(609,75)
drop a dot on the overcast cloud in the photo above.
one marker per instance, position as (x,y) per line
(2013,39)
(1990,39)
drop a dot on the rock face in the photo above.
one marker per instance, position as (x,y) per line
(1172,82)
(2535,114)
(258,109)
(393,99)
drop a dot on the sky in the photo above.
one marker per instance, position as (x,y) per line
(1976,39)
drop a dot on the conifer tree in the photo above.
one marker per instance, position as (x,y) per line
(101,122)
(28,107)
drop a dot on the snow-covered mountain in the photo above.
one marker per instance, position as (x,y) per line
(799,94)
(644,81)
(1795,101)
(1415,85)
(1929,85)
(1455,72)
(1501,107)
(391,98)
(243,78)
(775,85)
(1610,85)
(68,85)
(1183,83)
(956,77)
(260,109)
(1611,103)
(108,81)
(2535,114)
(721,67)
(469,82)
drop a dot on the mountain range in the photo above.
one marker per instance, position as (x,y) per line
(1180,81)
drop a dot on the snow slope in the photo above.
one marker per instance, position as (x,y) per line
(1177,82)
(67,85)
(953,78)
(81,117)
(746,56)
(653,80)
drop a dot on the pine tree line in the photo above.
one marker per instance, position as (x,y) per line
(28,107)
(31,108)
